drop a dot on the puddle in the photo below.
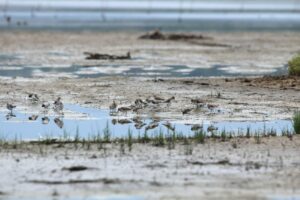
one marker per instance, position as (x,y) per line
(90,122)
(133,69)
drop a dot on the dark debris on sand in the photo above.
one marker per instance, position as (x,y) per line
(98,56)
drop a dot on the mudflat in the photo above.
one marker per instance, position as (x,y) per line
(236,168)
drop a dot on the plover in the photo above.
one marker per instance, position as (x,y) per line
(34,98)
(46,105)
(114,121)
(196,127)
(113,107)
(198,102)
(153,125)
(211,128)
(45,120)
(58,122)
(186,111)
(124,109)
(170,99)
(10,107)
(137,120)
(124,121)
(33,117)
(157,98)
(58,105)
(139,125)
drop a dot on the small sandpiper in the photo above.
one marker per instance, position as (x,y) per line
(124,121)
(152,125)
(170,99)
(58,105)
(45,120)
(113,107)
(34,98)
(46,105)
(10,107)
(124,109)
(196,127)
(199,103)
(33,117)
(186,111)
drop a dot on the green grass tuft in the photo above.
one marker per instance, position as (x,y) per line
(296,122)
(294,66)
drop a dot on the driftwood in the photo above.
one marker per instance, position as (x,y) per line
(98,56)
(189,38)
(157,35)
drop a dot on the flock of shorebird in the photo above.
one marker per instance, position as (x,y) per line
(57,107)
(138,106)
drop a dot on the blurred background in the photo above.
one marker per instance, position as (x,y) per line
(150,14)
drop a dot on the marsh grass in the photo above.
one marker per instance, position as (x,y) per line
(171,139)
(159,139)
(248,132)
(200,136)
(129,139)
(106,133)
(294,66)
(296,122)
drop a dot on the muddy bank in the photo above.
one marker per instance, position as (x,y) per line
(235,99)
(45,54)
(235,169)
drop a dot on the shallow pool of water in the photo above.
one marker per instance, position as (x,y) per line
(90,122)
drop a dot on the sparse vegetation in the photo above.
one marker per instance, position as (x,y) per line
(129,139)
(294,66)
(106,133)
(296,122)
(200,136)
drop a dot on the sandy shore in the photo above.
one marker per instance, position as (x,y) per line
(239,98)
(235,169)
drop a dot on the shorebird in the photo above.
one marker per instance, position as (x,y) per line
(170,99)
(186,111)
(58,105)
(196,127)
(153,125)
(124,121)
(58,122)
(139,104)
(137,120)
(198,102)
(10,107)
(46,105)
(211,106)
(113,107)
(169,126)
(211,128)
(34,98)
(45,120)
(124,109)
(33,117)
(157,98)
(139,125)
(114,121)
